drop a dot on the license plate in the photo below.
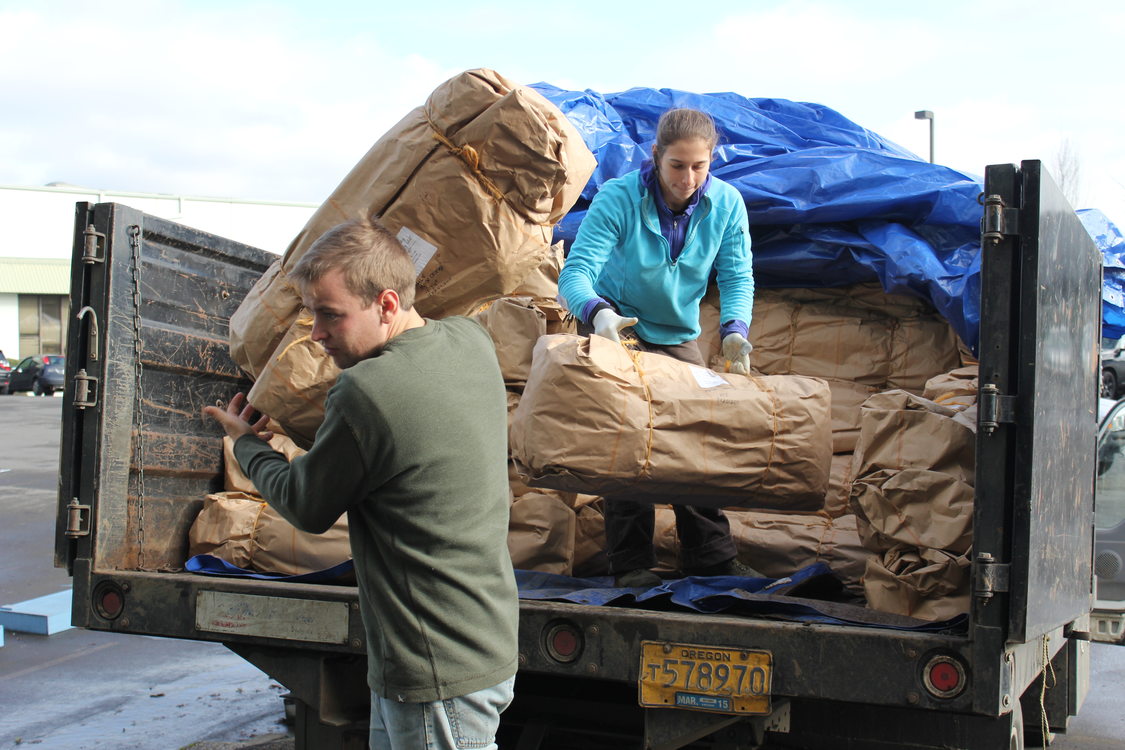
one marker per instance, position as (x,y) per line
(705,678)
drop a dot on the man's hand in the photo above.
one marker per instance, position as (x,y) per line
(235,419)
(736,351)
(607,323)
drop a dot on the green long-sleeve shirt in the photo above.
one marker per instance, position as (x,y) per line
(414,449)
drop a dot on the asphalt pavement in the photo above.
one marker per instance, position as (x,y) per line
(89,690)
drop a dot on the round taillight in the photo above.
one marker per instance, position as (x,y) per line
(944,676)
(109,600)
(562,641)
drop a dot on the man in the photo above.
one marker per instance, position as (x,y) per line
(414,448)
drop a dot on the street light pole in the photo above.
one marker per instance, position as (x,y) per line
(926,114)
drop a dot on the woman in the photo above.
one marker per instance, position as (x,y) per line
(643,257)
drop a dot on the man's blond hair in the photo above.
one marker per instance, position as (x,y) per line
(371,259)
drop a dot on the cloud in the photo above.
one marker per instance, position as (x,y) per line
(279,100)
(800,45)
(1006,80)
(164,97)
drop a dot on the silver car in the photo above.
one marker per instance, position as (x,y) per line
(1108,616)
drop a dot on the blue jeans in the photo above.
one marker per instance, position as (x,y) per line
(468,721)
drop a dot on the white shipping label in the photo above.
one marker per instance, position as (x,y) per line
(707,378)
(420,251)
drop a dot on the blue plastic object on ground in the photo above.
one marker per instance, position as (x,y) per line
(44,615)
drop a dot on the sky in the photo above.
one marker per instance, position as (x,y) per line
(278,100)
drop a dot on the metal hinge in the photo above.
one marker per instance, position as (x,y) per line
(92,238)
(989,576)
(77,519)
(998,221)
(995,409)
(85,396)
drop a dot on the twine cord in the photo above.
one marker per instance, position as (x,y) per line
(293,343)
(775,404)
(471,157)
(1047,669)
(635,356)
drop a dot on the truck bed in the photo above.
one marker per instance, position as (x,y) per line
(150,346)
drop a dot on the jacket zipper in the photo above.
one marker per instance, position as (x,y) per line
(692,228)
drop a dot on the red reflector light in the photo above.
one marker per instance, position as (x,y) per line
(562,641)
(111,603)
(109,600)
(944,676)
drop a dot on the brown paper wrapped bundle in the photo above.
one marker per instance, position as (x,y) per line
(927,584)
(541,533)
(847,398)
(857,333)
(472,182)
(244,531)
(921,347)
(519,487)
(710,345)
(955,388)
(913,496)
(233,478)
(778,544)
(836,500)
(263,319)
(513,395)
(598,418)
(914,507)
(913,475)
(902,431)
(295,382)
(515,324)
(828,340)
(543,282)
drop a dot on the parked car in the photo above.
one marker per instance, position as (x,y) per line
(1108,616)
(5,372)
(42,374)
(1113,369)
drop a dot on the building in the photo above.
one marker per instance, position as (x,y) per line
(36,245)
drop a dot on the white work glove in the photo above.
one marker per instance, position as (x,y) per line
(607,323)
(736,352)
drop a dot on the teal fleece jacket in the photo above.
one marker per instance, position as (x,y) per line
(414,449)
(620,255)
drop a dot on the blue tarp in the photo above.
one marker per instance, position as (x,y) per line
(213,566)
(830,203)
(790,598)
(805,596)
(1112,245)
